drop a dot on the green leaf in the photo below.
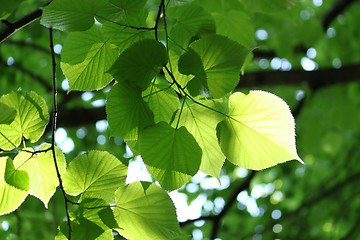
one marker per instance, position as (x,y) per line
(83,229)
(201,122)
(145,211)
(125,12)
(140,63)
(267,6)
(192,21)
(126,110)
(222,60)
(95,174)
(191,63)
(171,155)
(162,101)
(7,114)
(41,170)
(260,131)
(30,121)
(69,15)
(232,20)
(7,7)
(85,58)
(14,186)
(123,37)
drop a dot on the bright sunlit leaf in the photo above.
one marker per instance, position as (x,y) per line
(260,131)
(95,174)
(41,170)
(30,120)
(145,211)
(14,186)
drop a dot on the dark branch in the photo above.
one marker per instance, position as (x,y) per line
(242,186)
(29,73)
(336,9)
(314,79)
(11,28)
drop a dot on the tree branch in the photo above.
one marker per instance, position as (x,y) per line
(336,9)
(216,218)
(11,28)
(314,79)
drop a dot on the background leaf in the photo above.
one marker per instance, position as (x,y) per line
(145,211)
(171,155)
(260,131)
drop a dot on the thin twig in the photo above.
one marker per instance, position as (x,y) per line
(54,128)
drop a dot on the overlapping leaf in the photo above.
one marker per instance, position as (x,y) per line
(145,211)
(127,112)
(140,62)
(222,60)
(260,131)
(7,114)
(70,15)
(14,186)
(41,170)
(191,21)
(95,174)
(93,220)
(171,155)
(86,57)
(30,120)
(162,101)
(126,12)
(201,122)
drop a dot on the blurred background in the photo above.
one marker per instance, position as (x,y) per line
(308,55)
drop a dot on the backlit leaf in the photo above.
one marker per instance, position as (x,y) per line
(85,58)
(260,131)
(69,15)
(41,170)
(7,114)
(140,62)
(201,122)
(95,174)
(30,120)
(145,211)
(222,60)
(171,155)
(14,186)
(126,110)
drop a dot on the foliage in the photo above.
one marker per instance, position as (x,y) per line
(170,72)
